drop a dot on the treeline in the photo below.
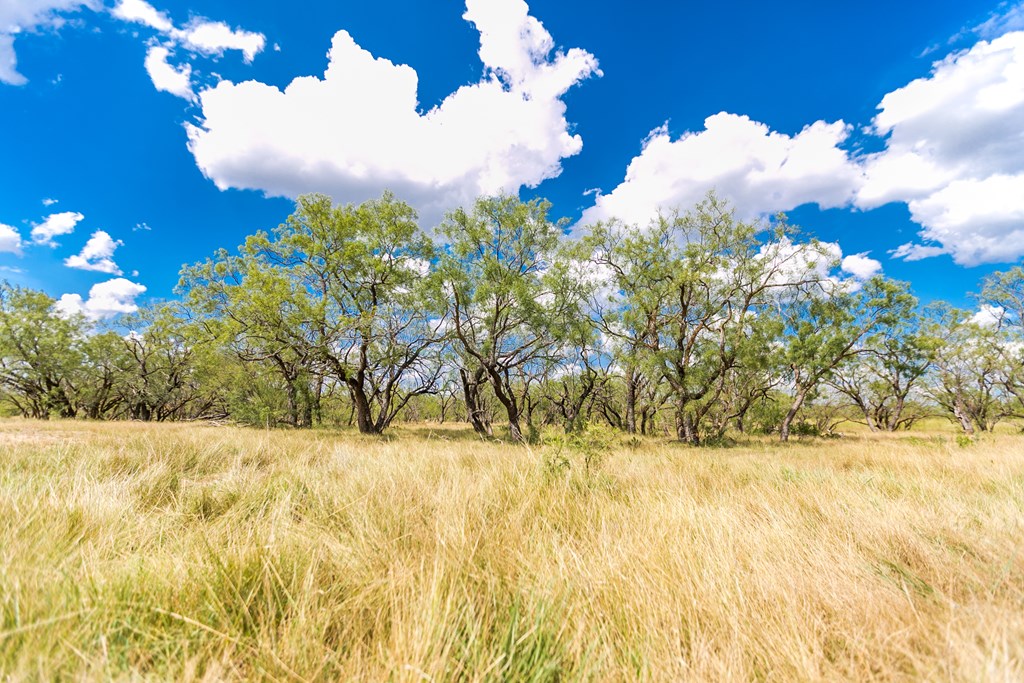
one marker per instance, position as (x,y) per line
(696,324)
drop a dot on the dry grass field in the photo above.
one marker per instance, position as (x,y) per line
(188,552)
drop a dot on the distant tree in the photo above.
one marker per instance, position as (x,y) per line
(104,370)
(166,373)
(255,308)
(826,326)
(690,298)
(511,302)
(967,376)
(340,292)
(1002,295)
(41,353)
(884,378)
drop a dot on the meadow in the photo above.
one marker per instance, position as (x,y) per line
(194,552)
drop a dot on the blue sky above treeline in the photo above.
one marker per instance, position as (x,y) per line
(139,137)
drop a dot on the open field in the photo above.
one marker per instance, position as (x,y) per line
(194,552)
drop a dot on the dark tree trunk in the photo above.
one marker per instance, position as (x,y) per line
(686,430)
(292,394)
(475,412)
(364,419)
(503,392)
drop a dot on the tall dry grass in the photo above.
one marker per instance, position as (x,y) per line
(201,553)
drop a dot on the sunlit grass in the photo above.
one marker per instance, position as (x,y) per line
(195,552)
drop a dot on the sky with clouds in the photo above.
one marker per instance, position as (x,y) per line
(140,136)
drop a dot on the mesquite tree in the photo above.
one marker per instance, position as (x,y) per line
(510,299)
(339,292)
(690,299)
(825,327)
(41,353)
(1002,295)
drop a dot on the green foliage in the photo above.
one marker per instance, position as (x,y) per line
(337,296)
(964,440)
(512,299)
(41,353)
(699,323)
(969,368)
(585,448)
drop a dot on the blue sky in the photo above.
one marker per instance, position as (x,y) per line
(139,137)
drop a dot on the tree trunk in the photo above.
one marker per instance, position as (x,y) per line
(507,398)
(787,421)
(293,402)
(364,420)
(514,430)
(307,408)
(872,424)
(897,414)
(686,430)
(475,412)
(631,382)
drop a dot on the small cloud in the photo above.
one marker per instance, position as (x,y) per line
(9,62)
(141,226)
(50,201)
(860,266)
(97,254)
(917,252)
(214,37)
(168,78)
(141,12)
(55,224)
(199,36)
(10,240)
(106,300)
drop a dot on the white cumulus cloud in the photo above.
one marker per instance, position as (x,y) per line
(955,154)
(168,78)
(10,240)
(55,224)
(989,316)
(141,12)
(97,254)
(106,299)
(215,37)
(758,170)
(200,36)
(357,131)
(861,266)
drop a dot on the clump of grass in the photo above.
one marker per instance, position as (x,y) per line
(191,552)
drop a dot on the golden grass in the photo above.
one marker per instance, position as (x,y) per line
(208,553)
